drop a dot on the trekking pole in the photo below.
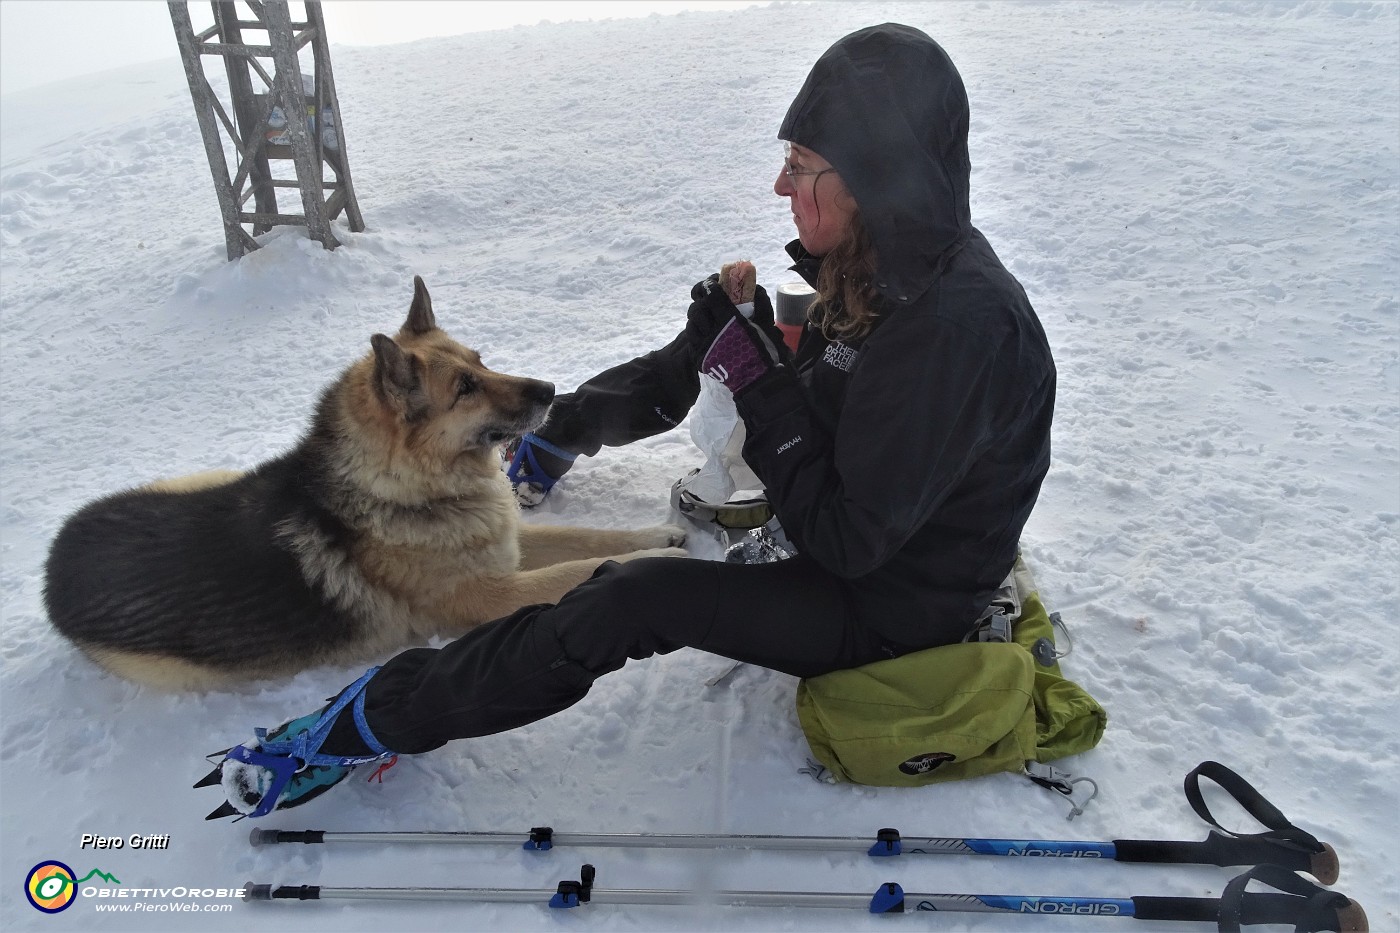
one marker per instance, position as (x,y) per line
(1215,850)
(1297,901)
(1283,844)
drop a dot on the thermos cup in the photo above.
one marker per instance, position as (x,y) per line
(790,312)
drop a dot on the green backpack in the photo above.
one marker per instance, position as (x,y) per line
(959,711)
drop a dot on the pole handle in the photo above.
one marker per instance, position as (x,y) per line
(286,892)
(267,837)
(1286,909)
(1295,900)
(1228,851)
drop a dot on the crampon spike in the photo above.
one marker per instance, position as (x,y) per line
(225,809)
(213,777)
(217,757)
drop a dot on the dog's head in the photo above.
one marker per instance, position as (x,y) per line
(440,399)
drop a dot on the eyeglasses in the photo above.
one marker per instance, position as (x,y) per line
(792,172)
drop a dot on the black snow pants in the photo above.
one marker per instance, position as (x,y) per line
(790,616)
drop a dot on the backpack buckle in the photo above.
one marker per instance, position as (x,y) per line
(1062,782)
(995,627)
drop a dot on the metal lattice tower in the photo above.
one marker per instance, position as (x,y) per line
(286,117)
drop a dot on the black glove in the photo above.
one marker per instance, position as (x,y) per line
(730,348)
(710,309)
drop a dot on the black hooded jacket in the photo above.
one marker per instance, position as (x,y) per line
(909,461)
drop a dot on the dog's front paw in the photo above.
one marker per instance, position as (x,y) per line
(661,536)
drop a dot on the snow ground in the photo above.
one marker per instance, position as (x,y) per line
(1201,200)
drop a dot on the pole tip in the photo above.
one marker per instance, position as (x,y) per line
(1352,919)
(1325,866)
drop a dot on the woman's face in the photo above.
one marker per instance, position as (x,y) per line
(821,205)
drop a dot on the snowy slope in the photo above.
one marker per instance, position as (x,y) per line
(1201,200)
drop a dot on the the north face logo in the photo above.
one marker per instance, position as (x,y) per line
(840,356)
(923,764)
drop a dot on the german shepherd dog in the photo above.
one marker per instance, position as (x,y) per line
(389,523)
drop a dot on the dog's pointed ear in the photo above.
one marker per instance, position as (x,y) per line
(396,377)
(420,313)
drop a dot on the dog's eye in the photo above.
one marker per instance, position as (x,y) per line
(466,386)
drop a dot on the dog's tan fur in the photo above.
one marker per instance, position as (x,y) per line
(194,482)
(406,450)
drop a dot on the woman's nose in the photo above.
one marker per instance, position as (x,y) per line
(783,186)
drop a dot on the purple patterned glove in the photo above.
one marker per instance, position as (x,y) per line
(739,355)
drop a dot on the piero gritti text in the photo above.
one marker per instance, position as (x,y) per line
(134,841)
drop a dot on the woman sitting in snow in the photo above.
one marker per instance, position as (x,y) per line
(902,448)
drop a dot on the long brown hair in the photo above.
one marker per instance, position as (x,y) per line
(847,302)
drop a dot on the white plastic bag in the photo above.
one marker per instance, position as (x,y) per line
(717,430)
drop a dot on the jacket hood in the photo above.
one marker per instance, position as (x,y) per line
(887,108)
